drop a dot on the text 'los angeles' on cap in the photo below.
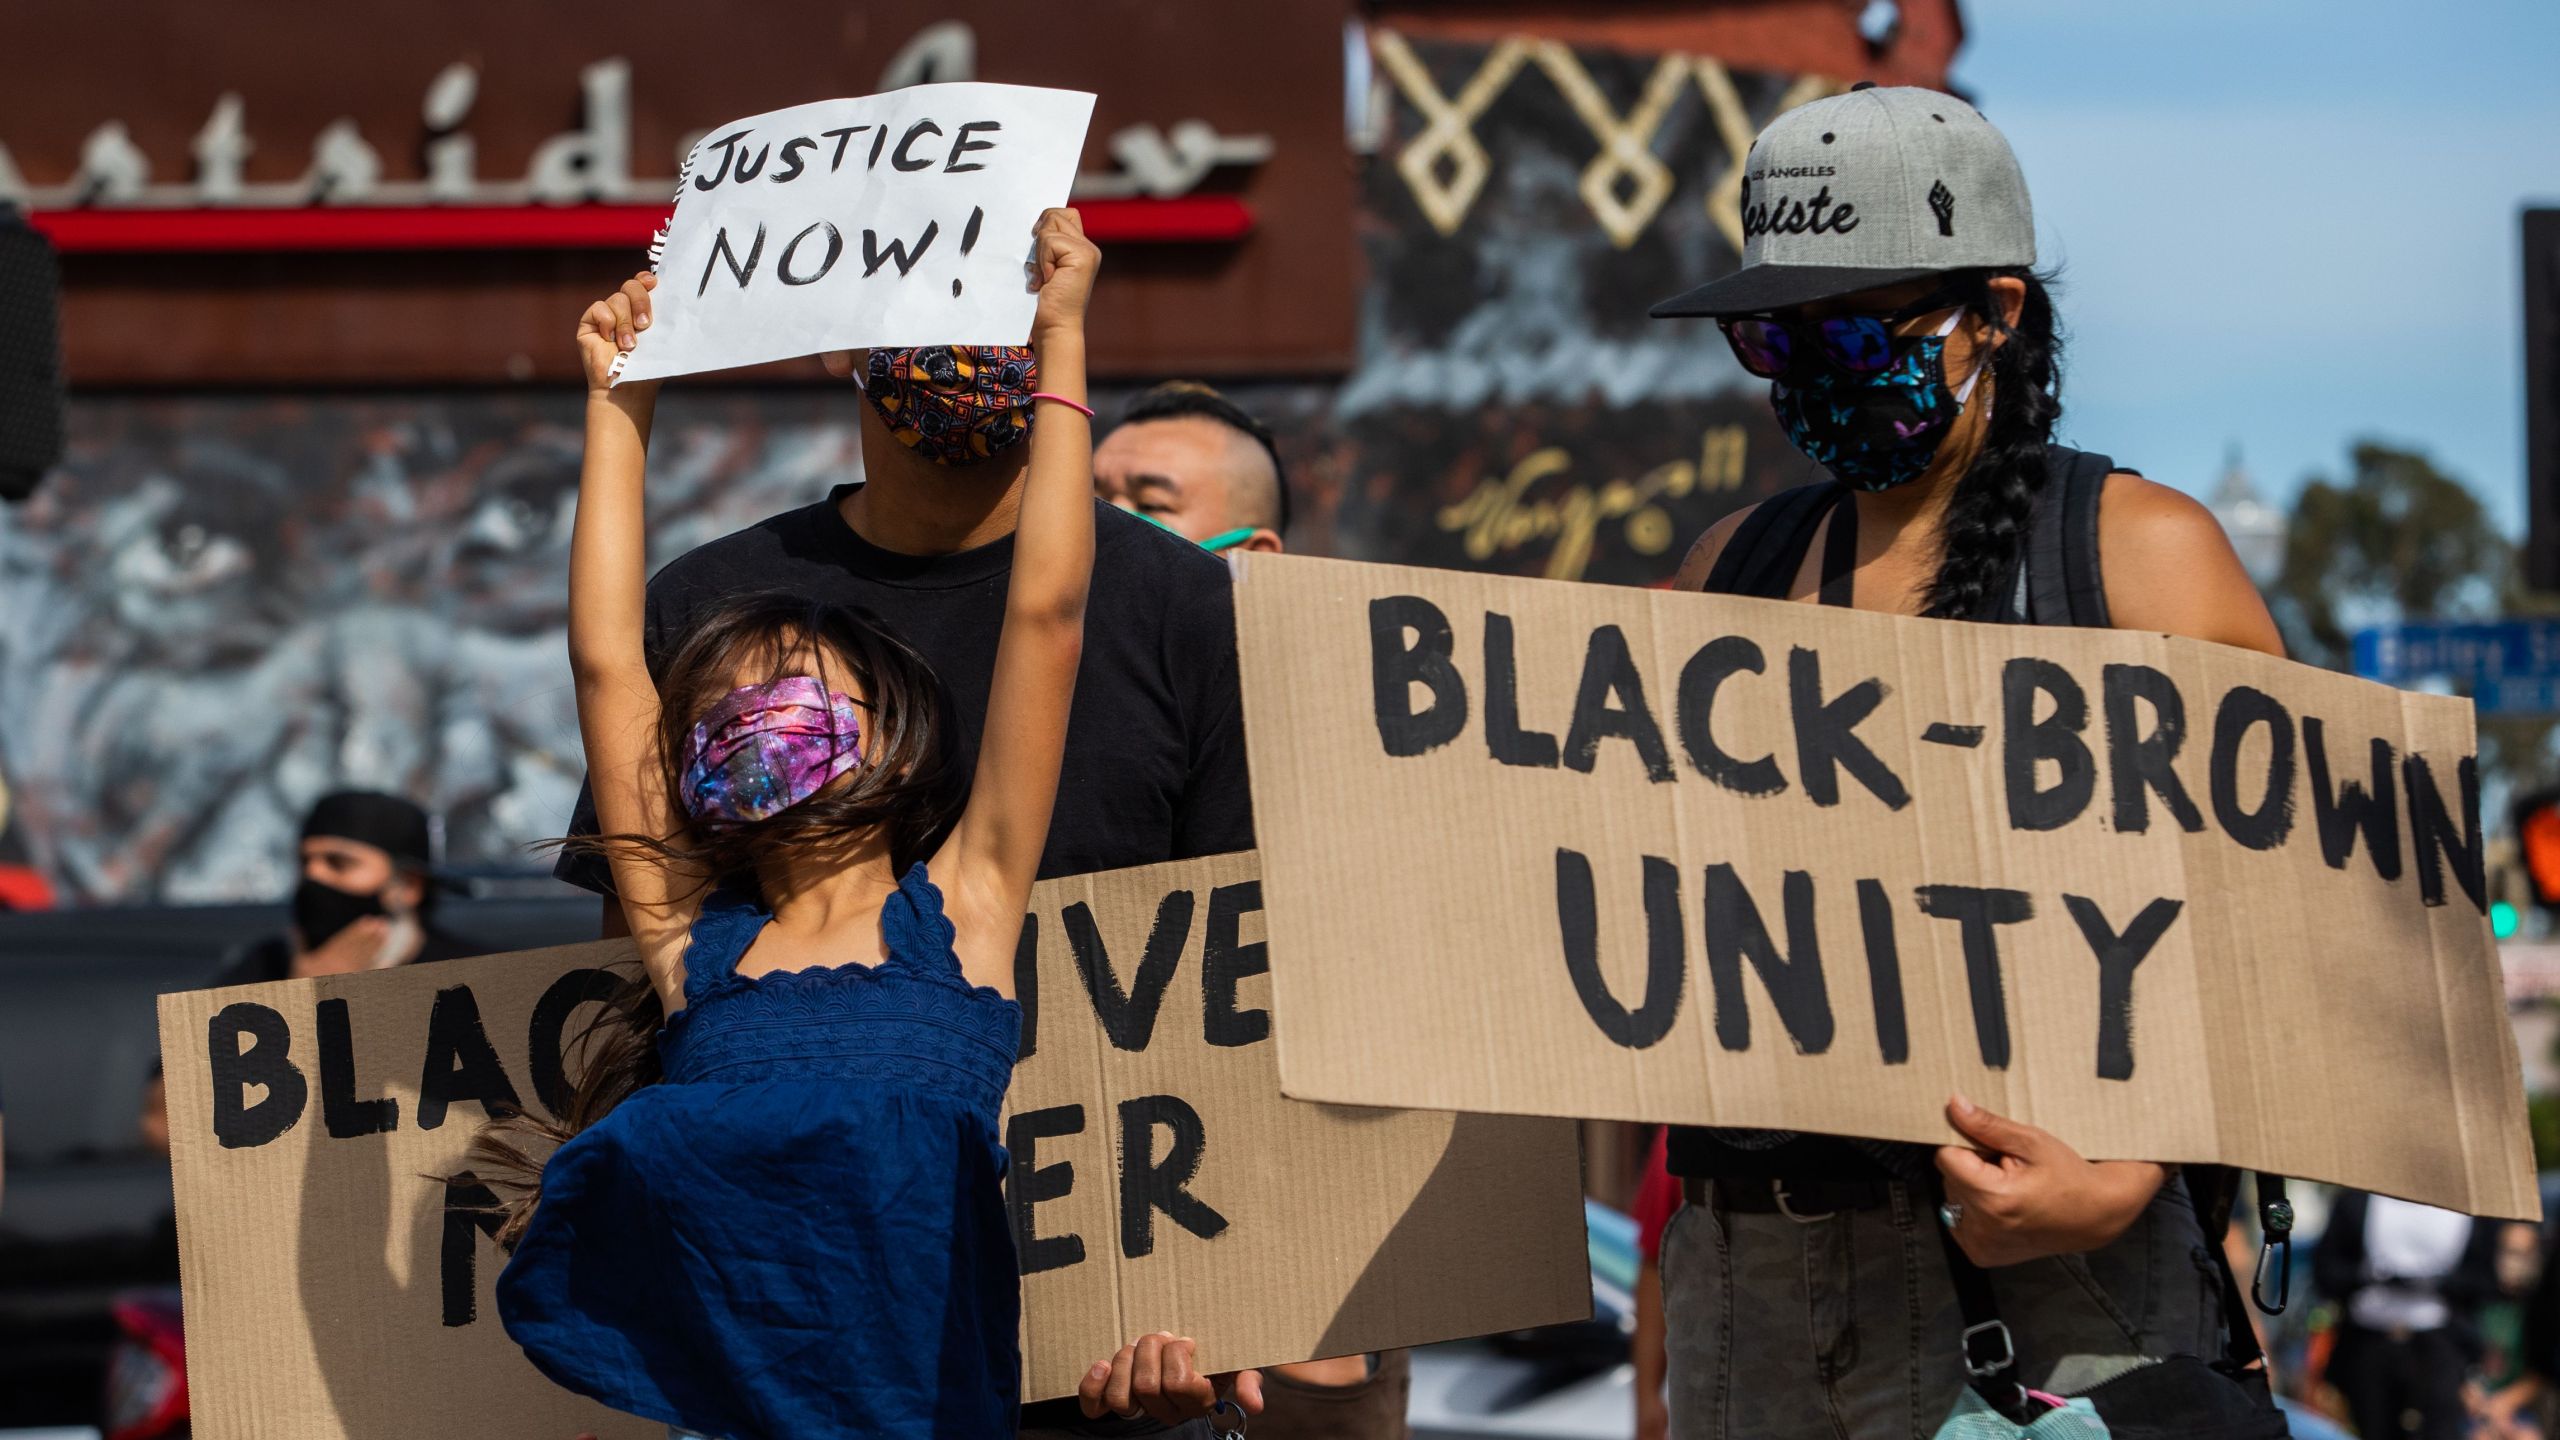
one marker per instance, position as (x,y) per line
(1871,188)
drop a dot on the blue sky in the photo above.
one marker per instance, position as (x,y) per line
(2284,223)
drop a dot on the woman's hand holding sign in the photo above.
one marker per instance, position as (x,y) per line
(2019,1193)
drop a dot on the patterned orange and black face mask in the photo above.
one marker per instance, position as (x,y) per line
(954,404)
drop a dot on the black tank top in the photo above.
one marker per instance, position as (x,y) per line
(2055,581)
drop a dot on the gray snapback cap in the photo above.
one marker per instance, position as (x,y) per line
(1870,188)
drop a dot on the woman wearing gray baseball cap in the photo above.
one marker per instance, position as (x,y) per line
(1820,1286)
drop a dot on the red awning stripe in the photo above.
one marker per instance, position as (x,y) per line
(1188,219)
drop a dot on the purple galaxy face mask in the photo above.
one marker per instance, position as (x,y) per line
(765,748)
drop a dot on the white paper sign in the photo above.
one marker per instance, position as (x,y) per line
(897,219)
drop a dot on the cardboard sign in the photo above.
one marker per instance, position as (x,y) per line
(1159,1180)
(1555,849)
(897,219)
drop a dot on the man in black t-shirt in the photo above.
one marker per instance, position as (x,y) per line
(1155,765)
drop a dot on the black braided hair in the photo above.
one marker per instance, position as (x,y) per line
(1986,522)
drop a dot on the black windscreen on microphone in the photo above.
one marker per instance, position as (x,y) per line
(30,357)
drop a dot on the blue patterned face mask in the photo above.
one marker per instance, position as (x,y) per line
(1875,432)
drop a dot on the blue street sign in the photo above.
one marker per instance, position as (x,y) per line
(2509,667)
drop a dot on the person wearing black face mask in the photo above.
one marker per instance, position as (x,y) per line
(1823,1286)
(366,899)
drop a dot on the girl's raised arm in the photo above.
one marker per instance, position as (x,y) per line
(1000,836)
(608,593)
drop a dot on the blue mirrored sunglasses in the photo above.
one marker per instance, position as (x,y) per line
(1775,349)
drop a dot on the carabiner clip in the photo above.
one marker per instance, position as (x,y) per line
(1217,1427)
(2275,1219)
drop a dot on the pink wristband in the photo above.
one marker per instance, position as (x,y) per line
(1084,410)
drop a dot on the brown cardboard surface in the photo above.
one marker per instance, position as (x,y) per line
(2301,1012)
(329,1294)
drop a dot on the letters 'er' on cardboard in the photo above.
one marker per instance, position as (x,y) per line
(1159,1180)
(897,219)
(1556,849)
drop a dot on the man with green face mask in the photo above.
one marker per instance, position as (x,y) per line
(1196,463)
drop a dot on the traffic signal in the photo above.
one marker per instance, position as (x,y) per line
(2537,823)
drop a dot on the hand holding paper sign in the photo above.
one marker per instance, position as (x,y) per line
(2026,1195)
(610,328)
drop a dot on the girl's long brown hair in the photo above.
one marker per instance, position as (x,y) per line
(909,790)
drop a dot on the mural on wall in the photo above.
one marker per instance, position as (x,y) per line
(1513,408)
(218,609)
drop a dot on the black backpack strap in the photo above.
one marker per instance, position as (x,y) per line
(2064,583)
(1769,546)
(1990,1355)
(1991,1358)
(2275,1244)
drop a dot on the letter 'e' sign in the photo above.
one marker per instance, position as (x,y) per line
(897,219)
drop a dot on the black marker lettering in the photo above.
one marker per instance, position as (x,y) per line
(1794,981)
(2433,836)
(961,145)
(901,160)
(1027,1182)
(835,247)
(873,257)
(1826,738)
(842,138)
(340,1111)
(1503,737)
(969,232)
(2138,761)
(247,1045)
(546,1037)
(2341,813)
(1609,673)
(1224,963)
(461,1063)
(791,164)
(470,1211)
(1666,950)
(879,137)
(747,168)
(1148,1185)
(1396,666)
(2265,827)
(2117,956)
(1884,971)
(1979,914)
(720,251)
(1717,661)
(2026,743)
(1129,1016)
(728,145)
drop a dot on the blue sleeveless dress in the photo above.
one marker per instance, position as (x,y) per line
(801,1232)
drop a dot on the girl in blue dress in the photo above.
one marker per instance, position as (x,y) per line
(799,1231)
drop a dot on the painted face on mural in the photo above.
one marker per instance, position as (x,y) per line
(370,593)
